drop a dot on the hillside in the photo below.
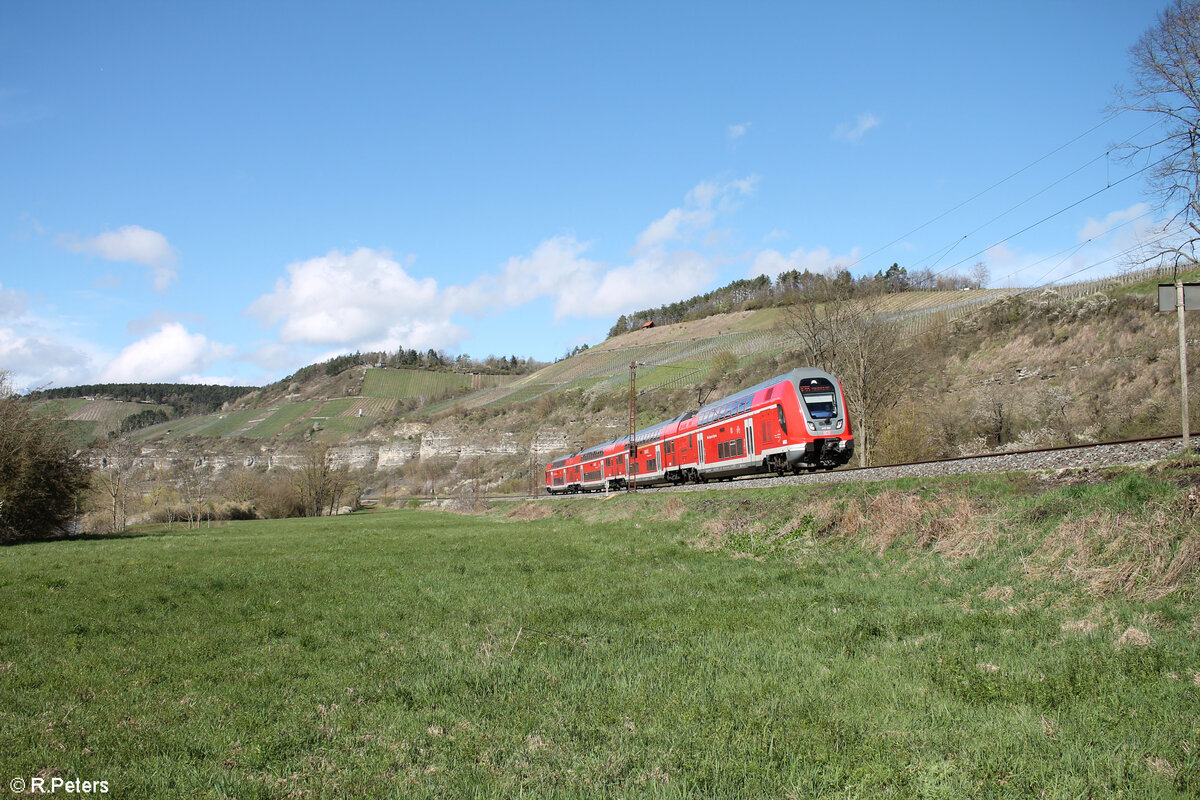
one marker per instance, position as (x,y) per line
(989,370)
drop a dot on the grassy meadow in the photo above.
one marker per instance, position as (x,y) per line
(842,642)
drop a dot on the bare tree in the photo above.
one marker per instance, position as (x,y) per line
(979,276)
(114,478)
(319,484)
(818,322)
(1166,84)
(193,491)
(857,344)
(994,413)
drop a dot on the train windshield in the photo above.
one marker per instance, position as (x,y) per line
(819,398)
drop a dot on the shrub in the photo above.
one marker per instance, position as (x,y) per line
(40,479)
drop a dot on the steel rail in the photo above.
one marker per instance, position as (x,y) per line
(733,483)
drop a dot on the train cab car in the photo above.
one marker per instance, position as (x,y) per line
(793,422)
(789,423)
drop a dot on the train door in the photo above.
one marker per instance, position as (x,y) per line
(749,437)
(700,448)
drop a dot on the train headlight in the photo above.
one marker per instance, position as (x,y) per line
(812,426)
(838,426)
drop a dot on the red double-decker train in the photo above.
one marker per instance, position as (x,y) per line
(794,422)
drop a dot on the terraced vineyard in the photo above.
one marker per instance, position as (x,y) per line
(280,420)
(88,420)
(404,383)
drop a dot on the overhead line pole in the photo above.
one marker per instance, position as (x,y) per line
(630,475)
(1183,369)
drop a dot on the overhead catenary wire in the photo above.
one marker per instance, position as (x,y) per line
(1050,216)
(1048,284)
(995,185)
(946,249)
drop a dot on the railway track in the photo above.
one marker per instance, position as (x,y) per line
(1095,455)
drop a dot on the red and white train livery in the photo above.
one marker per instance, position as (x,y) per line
(790,423)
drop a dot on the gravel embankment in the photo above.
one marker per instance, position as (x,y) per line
(1089,456)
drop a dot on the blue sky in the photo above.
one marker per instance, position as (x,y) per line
(224,192)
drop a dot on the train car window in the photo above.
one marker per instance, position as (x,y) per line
(732,449)
(782,419)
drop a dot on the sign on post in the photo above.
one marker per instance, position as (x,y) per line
(1180,297)
(1167,292)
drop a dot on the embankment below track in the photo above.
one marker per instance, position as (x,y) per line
(1098,530)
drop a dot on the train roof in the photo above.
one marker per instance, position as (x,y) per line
(794,377)
(655,431)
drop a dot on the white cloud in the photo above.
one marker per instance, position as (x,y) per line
(363,299)
(649,281)
(271,356)
(675,224)
(13,303)
(854,131)
(160,317)
(38,359)
(1127,225)
(818,260)
(133,244)
(166,355)
(580,287)
(700,208)
(367,300)
(737,131)
(1124,240)
(554,269)
(1120,241)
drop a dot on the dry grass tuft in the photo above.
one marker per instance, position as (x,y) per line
(529,511)
(1080,626)
(956,527)
(1004,593)
(961,529)
(1134,637)
(715,532)
(891,516)
(1148,555)
(672,510)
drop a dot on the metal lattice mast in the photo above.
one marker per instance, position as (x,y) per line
(630,476)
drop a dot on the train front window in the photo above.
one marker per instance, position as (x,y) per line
(820,406)
(819,397)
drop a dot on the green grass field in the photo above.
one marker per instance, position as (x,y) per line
(634,647)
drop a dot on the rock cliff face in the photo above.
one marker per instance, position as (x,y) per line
(408,442)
